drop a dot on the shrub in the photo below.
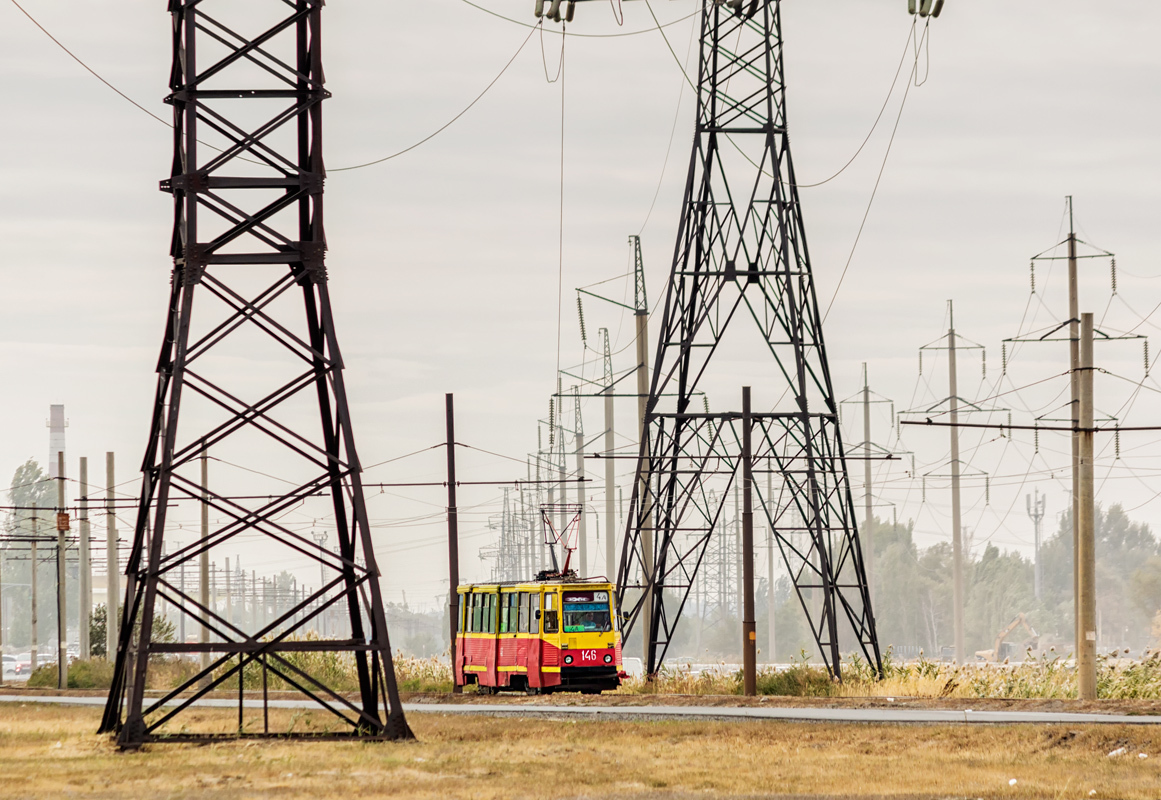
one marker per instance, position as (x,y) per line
(94,674)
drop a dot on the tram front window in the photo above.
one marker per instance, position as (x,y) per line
(587,617)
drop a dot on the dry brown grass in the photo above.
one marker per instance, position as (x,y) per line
(50,751)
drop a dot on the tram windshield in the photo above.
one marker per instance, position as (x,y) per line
(587,612)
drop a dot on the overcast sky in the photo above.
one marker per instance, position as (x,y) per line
(443,262)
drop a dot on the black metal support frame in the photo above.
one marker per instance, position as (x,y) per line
(741,252)
(248,238)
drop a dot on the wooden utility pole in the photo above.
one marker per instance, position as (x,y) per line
(1086,621)
(749,635)
(112,565)
(453,539)
(62,621)
(956,520)
(86,571)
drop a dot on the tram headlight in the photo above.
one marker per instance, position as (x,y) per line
(568,659)
(608,658)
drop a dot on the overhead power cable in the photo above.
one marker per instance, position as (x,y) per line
(451,121)
(87,68)
(581,35)
(168,124)
(874,191)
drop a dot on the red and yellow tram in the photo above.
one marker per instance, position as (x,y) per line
(539,637)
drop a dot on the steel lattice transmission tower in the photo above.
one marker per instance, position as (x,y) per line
(251,361)
(741,293)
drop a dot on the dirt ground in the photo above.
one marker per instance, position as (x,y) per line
(51,751)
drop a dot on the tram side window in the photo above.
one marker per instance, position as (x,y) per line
(477,610)
(491,611)
(463,611)
(506,619)
(550,614)
(522,623)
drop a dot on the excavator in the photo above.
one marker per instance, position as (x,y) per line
(1003,650)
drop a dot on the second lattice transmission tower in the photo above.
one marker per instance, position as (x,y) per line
(741,309)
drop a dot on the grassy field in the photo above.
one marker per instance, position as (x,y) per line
(50,751)
(1044,678)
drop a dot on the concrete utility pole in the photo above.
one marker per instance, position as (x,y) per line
(229,596)
(956,520)
(181,615)
(644,490)
(62,619)
(558,458)
(739,580)
(610,464)
(749,636)
(321,538)
(1086,616)
(771,658)
(32,658)
(204,558)
(453,538)
(1074,385)
(581,545)
(1036,514)
(86,572)
(112,565)
(1,613)
(868,513)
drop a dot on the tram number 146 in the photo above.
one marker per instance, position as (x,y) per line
(589,657)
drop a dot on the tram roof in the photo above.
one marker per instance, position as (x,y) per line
(600,581)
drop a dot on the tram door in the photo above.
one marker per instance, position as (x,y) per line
(507,636)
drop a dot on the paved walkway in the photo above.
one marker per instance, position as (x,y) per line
(897,715)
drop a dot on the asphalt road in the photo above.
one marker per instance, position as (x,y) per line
(865,715)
